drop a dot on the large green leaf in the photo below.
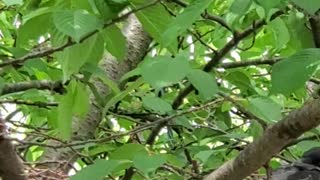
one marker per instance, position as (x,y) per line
(13,2)
(311,6)
(64,120)
(27,31)
(75,102)
(148,163)
(155,20)
(99,169)
(268,5)
(184,21)
(291,74)
(204,83)
(74,57)
(240,6)
(156,104)
(76,23)
(163,71)
(128,151)
(280,32)
(115,41)
(265,108)
(81,101)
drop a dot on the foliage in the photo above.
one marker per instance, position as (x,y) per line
(216,74)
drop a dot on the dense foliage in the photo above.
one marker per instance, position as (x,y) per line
(215,76)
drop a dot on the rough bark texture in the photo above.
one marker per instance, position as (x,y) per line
(273,140)
(11,167)
(137,44)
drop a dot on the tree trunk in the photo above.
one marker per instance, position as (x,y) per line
(137,44)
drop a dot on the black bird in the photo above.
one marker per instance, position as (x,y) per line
(307,168)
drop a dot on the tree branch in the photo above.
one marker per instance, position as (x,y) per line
(274,139)
(56,86)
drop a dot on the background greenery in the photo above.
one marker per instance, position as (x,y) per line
(215,76)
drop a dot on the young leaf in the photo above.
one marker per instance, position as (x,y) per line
(157,104)
(183,21)
(76,23)
(204,83)
(291,74)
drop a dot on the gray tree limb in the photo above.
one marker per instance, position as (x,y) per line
(274,139)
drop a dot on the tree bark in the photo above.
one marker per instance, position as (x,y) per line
(11,167)
(137,45)
(272,141)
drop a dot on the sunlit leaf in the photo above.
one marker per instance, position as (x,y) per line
(291,73)
(76,24)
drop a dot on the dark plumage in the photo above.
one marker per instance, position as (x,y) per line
(307,168)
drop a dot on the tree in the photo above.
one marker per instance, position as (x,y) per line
(139,89)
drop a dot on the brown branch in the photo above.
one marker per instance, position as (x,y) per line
(56,86)
(274,139)
(249,63)
(315,28)
(29,103)
(217,19)
(208,16)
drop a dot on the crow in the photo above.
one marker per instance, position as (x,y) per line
(306,168)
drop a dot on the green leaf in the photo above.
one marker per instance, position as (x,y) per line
(156,104)
(268,5)
(162,71)
(265,108)
(99,170)
(240,7)
(81,100)
(115,42)
(12,2)
(148,163)
(256,130)
(76,23)
(64,121)
(75,102)
(280,32)
(239,79)
(27,31)
(311,6)
(74,57)
(184,21)
(155,20)
(291,74)
(204,83)
(128,151)
(203,156)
